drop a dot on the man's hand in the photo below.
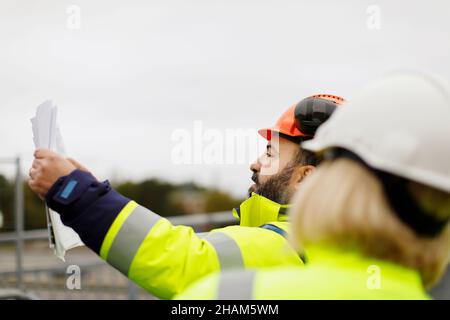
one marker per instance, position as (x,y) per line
(47,168)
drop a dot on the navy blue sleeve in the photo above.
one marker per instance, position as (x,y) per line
(86,205)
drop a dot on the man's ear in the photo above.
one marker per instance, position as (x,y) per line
(301,173)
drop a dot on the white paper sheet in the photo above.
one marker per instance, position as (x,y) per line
(46,134)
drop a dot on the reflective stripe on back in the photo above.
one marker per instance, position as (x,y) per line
(236,285)
(129,238)
(228,251)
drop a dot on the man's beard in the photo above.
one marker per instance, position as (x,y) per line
(276,188)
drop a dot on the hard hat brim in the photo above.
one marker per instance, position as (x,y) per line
(264,133)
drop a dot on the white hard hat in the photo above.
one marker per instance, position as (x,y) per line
(400,125)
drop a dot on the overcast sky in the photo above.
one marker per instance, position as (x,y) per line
(136,71)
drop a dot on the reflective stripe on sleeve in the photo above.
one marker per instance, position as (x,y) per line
(129,238)
(236,285)
(228,251)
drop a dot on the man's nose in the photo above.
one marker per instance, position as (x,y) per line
(255,167)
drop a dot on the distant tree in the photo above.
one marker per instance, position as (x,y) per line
(220,201)
(34,207)
(153,194)
(7,203)
(35,217)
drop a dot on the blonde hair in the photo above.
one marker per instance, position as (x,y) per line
(342,203)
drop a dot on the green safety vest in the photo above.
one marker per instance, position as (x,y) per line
(329,274)
(164,259)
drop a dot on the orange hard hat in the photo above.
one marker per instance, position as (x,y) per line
(288,123)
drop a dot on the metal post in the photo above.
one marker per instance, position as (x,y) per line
(132,291)
(19,224)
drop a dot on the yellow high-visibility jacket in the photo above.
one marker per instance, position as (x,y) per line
(158,256)
(330,274)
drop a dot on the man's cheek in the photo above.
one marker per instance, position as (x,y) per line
(270,168)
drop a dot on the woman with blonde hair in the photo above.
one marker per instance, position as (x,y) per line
(373,217)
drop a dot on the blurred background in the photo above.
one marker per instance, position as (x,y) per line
(130,77)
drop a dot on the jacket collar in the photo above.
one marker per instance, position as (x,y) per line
(258,210)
